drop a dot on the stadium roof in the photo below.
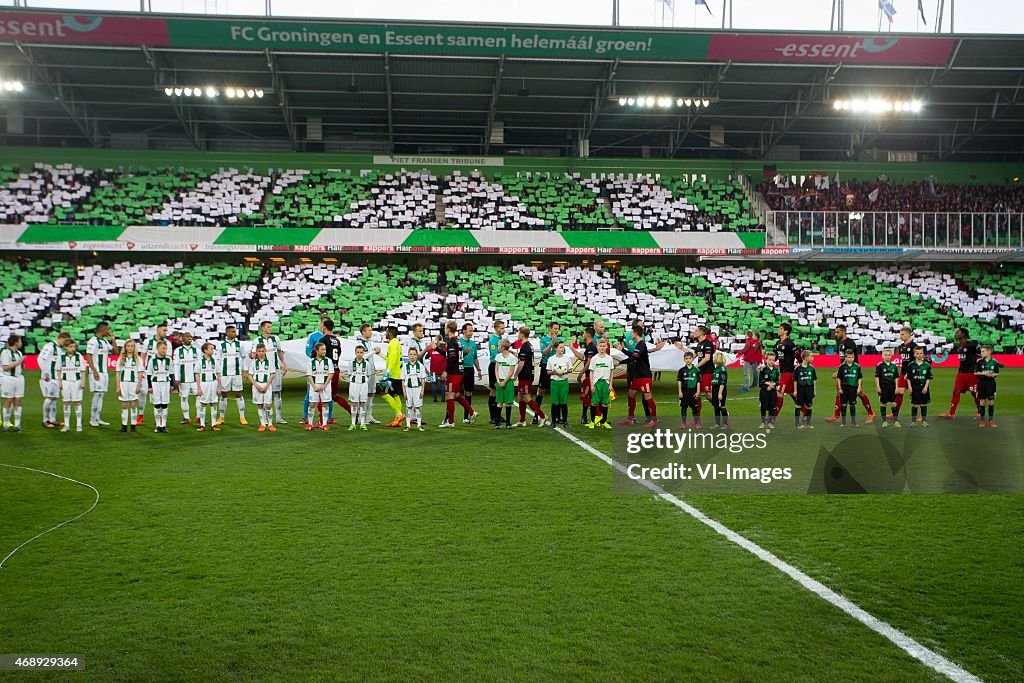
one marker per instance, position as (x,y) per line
(769,93)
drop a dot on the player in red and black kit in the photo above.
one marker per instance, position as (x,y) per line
(966,381)
(905,351)
(452,376)
(844,344)
(333,344)
(786,354)
(704,354)
(643,378)
(589,351)
(524,380)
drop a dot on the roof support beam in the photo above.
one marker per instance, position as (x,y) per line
(708,89)
(77,111)
(999,108)
(182,112)
(934,80)
(387,92)
(601,94)
(804,100)
(493,111)
(282,99)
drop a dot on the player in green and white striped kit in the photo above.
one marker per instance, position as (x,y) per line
(232,361)
(186,357)
(208,387)
(128,379)
(148,351)
(360,372)
(414,376)
(160,370)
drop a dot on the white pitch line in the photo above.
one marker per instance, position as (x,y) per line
(929,658)
(65,522)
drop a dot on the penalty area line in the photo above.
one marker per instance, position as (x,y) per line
(65,522)
(929,658)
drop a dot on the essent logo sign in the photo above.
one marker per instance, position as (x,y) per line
(837,50)
(28,28)
(48,26)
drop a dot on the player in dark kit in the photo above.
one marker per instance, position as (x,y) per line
(987,371)
(590,350)
(905,349)
(524,376)
(849,381)
(643,379)
(768,381)
(843,345)
(333,344)
(786,355)
(452,376)
(704,359)
(886,374)
(966,380)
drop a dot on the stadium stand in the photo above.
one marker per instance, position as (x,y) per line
(135,298)
(217,200)
(188,196)
(560,201)
(129,199)
(313,198)
(27,290)
(475,203)
(522,300)
(910,196)
(41,194)
(295,287)
(40,298)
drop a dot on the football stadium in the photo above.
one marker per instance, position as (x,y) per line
(414,348)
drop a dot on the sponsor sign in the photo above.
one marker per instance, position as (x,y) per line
(431,160)
(82,29)
(831,49)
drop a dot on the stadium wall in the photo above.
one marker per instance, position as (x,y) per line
(953,172)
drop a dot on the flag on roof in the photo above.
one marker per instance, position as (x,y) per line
(887,8)
(920,9)
(705,3)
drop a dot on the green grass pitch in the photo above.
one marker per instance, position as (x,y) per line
(473,554)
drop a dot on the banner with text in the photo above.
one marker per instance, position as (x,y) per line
(465,39)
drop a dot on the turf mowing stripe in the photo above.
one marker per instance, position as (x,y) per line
(929,658)
(65,522)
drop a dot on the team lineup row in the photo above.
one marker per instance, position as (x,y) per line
(216,370)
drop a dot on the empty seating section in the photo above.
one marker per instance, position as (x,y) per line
(38,299)
(224,197)
(559,201)
(317,199)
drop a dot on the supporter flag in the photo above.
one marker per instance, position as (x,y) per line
(705,3)
(873,195)
(770,171)
(920,9)
(887,9)
(821,181)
